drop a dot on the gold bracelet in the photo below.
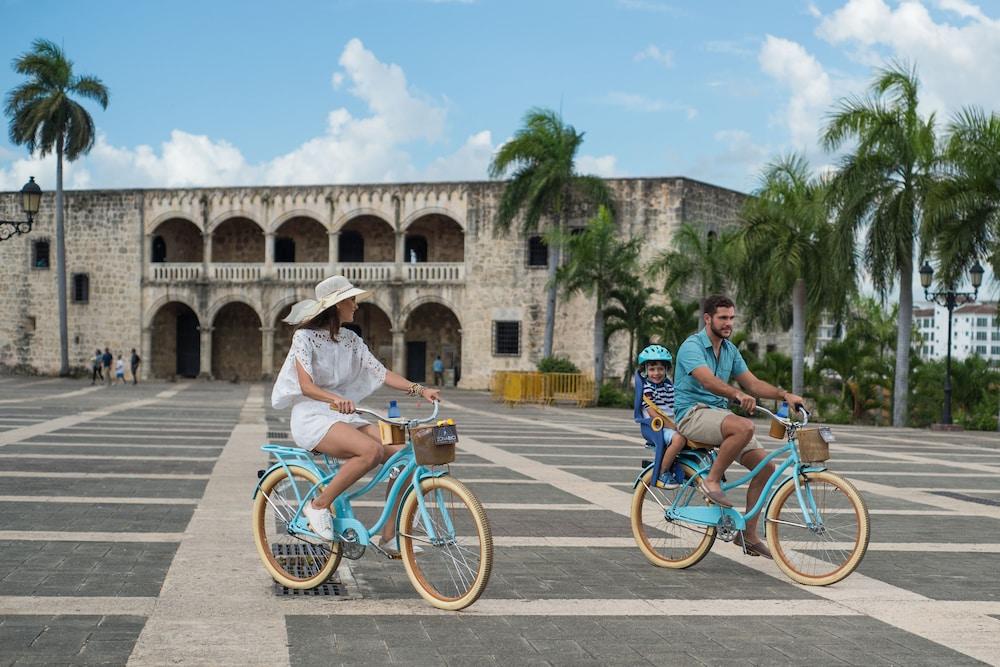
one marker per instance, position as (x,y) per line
(415,389)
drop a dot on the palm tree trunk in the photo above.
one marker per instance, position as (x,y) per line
(550,298)
(598,348)
(61,264)
(628,362)
(901,386)
(798,336)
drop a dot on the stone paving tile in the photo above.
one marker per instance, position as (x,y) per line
(48,568)
(99,439)
(759,640)
(561,523)
(489,492)
(68,640)
(112,517)
(122,487)
(931,481)
(105,465)
(973,529)
(91,450)
(950,576)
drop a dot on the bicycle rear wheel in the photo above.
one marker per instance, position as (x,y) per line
(826,554)
(667,542)
(456,546)
(292,560)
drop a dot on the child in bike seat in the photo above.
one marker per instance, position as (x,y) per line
(654,412)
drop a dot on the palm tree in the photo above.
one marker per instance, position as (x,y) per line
(597,262)
(699,262)
(787,244)
(682,320)
(632,310)
(44,117)
(882,186)
(963,213)
(544,183)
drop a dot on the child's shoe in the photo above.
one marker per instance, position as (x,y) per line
(666,480)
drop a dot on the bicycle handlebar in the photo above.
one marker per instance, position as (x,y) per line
(400,421)
(785,420)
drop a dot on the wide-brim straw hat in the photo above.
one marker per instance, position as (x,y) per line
(329,292)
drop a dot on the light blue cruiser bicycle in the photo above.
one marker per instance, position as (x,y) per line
(443,534)
(816,523)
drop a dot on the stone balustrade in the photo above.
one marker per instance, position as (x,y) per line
(435,272)
(175,271)
(237,272)
(366,272)
(311,272)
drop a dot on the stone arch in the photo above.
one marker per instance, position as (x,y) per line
(237,239)
(224,301)
(229,215)
(408,309)
(295,213)
(433,210)
(376,330)
(305,236)
(377,238)
(236,342)
(445,237)
(355,213)
(181,239)
(432,329)
(283,331)
(169,215)
(147,318)
(175,341)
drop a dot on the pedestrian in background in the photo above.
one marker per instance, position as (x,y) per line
(120,369)
(96,368)
(134,363)
(438,368)
(106,360)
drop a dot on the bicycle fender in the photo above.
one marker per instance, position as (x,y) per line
(788,480)
(639,478)
(261,476)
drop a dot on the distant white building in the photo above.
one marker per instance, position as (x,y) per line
(975,331)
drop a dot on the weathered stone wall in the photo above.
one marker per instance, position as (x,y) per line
(445,239)
(380,242)
(237,240)
(439,328)
(183,241)
(236,343)
(310,239)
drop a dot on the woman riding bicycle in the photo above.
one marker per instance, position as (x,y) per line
(327,371)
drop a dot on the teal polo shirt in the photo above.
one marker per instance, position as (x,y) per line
(697,351)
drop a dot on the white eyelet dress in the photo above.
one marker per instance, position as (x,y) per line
(344,367)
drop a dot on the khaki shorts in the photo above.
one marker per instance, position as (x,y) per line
(704,424)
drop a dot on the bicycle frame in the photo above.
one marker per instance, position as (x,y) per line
(345,518)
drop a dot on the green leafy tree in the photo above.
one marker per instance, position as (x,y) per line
(544,184)
(597,263)
(631,309)
(881,187)
(682,319)
(45,118)
(789,255)
(700,263)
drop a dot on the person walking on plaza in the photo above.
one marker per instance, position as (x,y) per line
(96,365)
(327,371)
(120,369)
(106,360)
(134,363)
(438,368)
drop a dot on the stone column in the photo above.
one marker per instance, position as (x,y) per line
(333,247)
(399,351)
(147,257)
(146,347)
(206,260)
(206,353)
(267,353)
(400,251)
(269,254)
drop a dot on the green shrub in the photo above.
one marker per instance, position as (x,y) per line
(557,365)
(983,418)
(612,396)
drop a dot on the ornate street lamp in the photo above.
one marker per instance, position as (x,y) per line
(949,298)
(31,199)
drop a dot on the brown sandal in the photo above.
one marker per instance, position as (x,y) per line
(755,548)
(717,497)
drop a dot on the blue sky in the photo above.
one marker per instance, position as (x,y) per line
(251,92)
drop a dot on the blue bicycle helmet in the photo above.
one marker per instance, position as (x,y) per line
(655,353)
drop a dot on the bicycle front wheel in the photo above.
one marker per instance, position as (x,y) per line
(447,546)
(830,550)
(292,560)
(667,542)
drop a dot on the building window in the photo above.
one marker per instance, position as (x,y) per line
(538,252)
(506,339)
(351,247)
(284,249)
(980,335)
(995,349)
(40,254)
(980,349)
(159,253)
(81,288)
(981,321)
(995,335)
(415,249)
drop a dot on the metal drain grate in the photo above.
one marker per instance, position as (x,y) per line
(293,558)
(278,435)
(968,499)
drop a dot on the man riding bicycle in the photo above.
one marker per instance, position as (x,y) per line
(706,362)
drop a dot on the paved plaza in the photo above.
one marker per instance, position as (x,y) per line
(125,539)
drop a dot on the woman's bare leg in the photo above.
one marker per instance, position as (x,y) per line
(358,451)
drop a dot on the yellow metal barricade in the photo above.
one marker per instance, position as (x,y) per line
(515,387)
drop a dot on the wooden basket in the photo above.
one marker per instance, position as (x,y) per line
(391,434)
(814,443)
(778,430)
(434,445)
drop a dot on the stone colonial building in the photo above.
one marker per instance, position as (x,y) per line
(198,280)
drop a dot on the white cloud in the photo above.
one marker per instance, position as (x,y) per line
(957,61)
(640,103)
(810,86)
(366,148)
(605,166)
(652,52)
(739,160)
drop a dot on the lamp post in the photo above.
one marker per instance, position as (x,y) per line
(31,199)
(949,298)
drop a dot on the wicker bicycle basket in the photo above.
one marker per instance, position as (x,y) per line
(814,443)
(434,445)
